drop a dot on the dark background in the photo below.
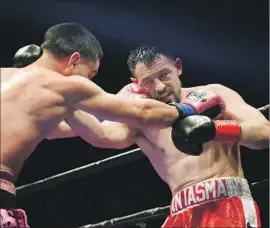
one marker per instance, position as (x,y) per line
(219,42)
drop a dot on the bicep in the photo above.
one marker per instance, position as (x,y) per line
(254,126)
(89,97)
(78,88)
(242,112)
(236,107)
(118,135)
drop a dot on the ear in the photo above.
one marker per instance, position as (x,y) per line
(133,80)
(178,65)
(73,59)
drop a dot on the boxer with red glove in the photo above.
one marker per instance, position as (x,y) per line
(201,102)
(189,134)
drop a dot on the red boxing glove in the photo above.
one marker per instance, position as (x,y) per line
(205,102)
(228,131)
(133,90)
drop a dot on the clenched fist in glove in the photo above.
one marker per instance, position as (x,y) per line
(189,134)
(133,90)
(203,102)
(27,55)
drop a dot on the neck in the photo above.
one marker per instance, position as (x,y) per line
(49,61)
(183,93)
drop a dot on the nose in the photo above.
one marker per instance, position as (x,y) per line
(159,86)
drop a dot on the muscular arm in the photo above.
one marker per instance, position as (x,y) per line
(254,126)
(63,130)
(87,96)
(104,134)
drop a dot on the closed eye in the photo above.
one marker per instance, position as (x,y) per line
(147,81)
(163,75)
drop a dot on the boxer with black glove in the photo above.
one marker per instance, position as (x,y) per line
(189,134)
(186,132)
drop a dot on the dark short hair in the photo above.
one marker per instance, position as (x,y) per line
(64,39)
(145,54)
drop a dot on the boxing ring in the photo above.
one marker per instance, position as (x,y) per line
(138,218)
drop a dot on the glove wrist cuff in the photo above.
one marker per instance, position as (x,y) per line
(179,109)
(184,110)
(228,131)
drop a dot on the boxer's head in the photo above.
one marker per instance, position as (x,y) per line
(158,73)
(74,49)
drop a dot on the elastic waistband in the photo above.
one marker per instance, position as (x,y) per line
(7,186)
(209,190)
(7,180)
(7,175)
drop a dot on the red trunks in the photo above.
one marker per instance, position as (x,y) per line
(224,202)
(9,216)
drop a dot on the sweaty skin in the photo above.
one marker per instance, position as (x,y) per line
(161,79)
(35,100)
(179,170)
(176,168)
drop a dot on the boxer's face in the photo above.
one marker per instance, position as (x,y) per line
(86,69)
(161,79)
(78,66)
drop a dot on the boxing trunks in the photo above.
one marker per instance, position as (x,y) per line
(10,217)
(223,202)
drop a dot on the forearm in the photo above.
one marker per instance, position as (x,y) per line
(134,112)
(255,134)
(88,127)
(81,94)
(100,134)
(63,130)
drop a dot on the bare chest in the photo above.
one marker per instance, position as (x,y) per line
(179,169)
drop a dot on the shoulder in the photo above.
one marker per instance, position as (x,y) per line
(223,90)
(229,95)
(216,88)
(78,79)
(27,74)
(44,73)
(7,74)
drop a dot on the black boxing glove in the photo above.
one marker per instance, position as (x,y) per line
(189,134)
(26,55)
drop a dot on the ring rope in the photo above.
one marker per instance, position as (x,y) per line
(91,168)
(142,216)
(146,215)
(79,172)
(264,108)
